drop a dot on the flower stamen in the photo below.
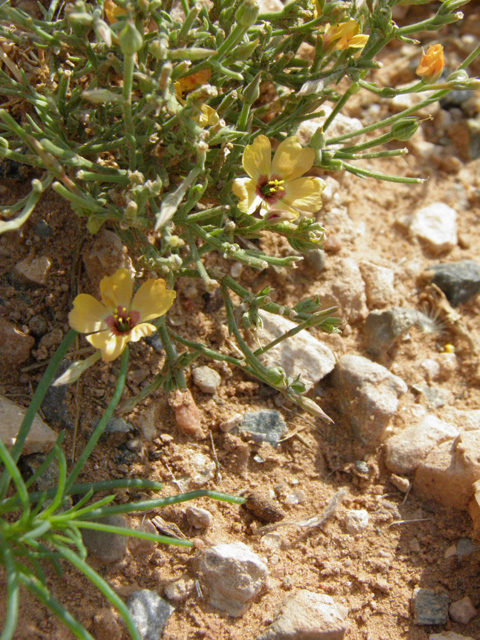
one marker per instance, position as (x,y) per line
(272,187)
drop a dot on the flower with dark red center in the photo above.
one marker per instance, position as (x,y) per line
(118,319)
(276,184)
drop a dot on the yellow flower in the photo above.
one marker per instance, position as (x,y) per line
(208,116)
(432,63)
(118,319)
(344,35)
(277,184)
(189,83)
(113,10)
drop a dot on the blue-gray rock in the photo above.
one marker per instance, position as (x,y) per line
(54,405)
(455,98)
(384,328)
(264,426)
(43,229)
(459,281)
(108,547)
(155,341)
(150,613)
(316,259)
(466,546)
(430,607)
(118,425)
(433,395)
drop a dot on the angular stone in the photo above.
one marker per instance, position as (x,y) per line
(430,607)
(54,405)
(450,471)
(437,225)
(264,426)
(356,520)
(383,329)
(106,255)
(233,575)
(40,437)
(34,270)
(301,355)
(199,518)
(459,281)
(346,290)
(379,284)
(306,615)
(108,547)
(368,394)
(405,451)
(186,412)
(15,346)
(462,611)
(150,613)
(206,379)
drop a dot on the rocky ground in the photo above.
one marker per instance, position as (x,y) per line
(364,528)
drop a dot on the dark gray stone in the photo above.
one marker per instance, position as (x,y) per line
(384,328)
(54,405)
(466,546)
(459,281)
(264,426)
(455,98)
(108,547)
(43,229)
(150,613)
(155,341)
(430,607)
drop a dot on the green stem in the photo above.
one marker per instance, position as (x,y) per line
(128,68)
(100,428)
(172,356)
(381,176)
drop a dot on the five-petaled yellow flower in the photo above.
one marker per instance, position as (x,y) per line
(432,63)
(118,319)
(344,35)
(277,184)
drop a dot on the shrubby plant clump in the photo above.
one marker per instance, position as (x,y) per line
(175,125)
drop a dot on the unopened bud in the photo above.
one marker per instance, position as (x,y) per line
(247,12)
(245,51)
(276,376)
(131,39)
(252,90)
(460,76)
(405,128)
(102,31)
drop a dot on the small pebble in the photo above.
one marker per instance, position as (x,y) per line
(362,467)
(462,611)
(430,607)
(263,508)
(199,518)
(356,520)
(150,613)
(207,379)
(402,484)
(108,547)
(231,423)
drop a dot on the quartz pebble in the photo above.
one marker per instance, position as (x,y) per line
(233,575)
(306,615)
(206,379)
(356,520)
(379,284)
(436,224)
(34,270)
(232,422)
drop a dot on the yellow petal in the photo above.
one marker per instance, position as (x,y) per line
(245,189)
(152,300)
(88,314)
(109,344)
(305,194)
(358,42)
(141,331)
(257,158)
(117,290)
(291,160)
(208,116)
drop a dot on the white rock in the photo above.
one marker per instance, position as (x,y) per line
(408,100)
(269,6)
(437,225)
(448,635)
(204,469)
(379,284)
(464,419)
(449,472)
(198,518)
(232,422)
(301,354)
(207,379)
(35,270)
(356,520)
(405,451)
(462,611)
(431,368)
(233,575)
(402,484)
(40,437)
(368,394)
(306,615)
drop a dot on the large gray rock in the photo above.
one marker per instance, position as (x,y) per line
(108,547)
(430,607)
(302,354)
(40,437)
(150,613)
(368,395)
(264,426)
(459,281)
(233,575)
(383,329)
(306,615)
(405,451)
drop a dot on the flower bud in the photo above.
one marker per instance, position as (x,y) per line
(276,376)
(247,12)
(405,128)
(131,39)
(432,63)
(460,76)
(245,51)
(252,90)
